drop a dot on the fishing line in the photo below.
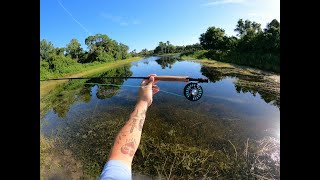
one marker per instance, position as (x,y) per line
(134,87)
(192,91)
(65,9)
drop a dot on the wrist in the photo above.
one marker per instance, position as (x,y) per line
(142,103)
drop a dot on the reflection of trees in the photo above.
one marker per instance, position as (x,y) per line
(211,74)
(62,98)
(245,83)
(166,62)
(266,92)
(85,94)
(63,105)
(104,92)
(65,96)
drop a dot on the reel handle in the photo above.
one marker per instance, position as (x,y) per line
(172,78)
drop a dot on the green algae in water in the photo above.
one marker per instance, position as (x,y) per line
(217,136)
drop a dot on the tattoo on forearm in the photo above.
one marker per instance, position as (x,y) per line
(129,147)
(134,121)
(143,113)
(143,116)
(121,135)
(141,124)
(141,120)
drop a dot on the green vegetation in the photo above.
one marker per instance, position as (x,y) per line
(167,49)
(249,80)
(183,143)
(174,145)
(252,47)
(57,62)
(47,86)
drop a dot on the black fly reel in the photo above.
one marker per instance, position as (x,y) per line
(193,91)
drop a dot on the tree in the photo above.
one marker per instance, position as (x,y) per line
(247,28)
(230,42)
(101,46)
(162,46)
(123,51)
(272,36)
(133,53)
(213,39)
(74,50)
(46,49)
(59,51)
(274,23)
(144,52)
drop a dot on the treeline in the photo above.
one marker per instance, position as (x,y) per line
(166,48)
(101,49)
(252,47)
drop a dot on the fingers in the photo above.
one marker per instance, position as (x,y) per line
(155,89)
(144,82)
(150,81)
(155,81)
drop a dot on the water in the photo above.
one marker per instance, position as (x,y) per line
(86,118)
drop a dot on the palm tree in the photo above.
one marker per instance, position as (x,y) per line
(161,44)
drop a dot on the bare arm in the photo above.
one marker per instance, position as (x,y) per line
(128,139)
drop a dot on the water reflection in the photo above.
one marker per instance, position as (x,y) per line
(196,139)
(244,83)
(78,91)
(104,92)
(167,62)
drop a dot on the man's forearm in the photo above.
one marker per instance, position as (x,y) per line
(128,139)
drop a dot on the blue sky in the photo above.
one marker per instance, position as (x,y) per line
(144,23)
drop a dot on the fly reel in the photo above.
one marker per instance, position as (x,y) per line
(193,91)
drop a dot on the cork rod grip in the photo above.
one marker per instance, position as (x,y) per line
(172,78)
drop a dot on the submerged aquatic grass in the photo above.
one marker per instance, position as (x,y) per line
(180,140)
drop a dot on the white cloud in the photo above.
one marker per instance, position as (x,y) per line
(224,2)
(116,19)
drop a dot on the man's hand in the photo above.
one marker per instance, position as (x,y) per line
(148,89)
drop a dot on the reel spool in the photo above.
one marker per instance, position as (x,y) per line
(193,91)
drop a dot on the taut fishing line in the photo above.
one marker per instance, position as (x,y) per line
(192,91)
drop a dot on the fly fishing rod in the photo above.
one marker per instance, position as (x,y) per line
(192,91)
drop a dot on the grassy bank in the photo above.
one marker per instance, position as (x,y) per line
(252,80)
(84,70)
(165,55)
(267,62)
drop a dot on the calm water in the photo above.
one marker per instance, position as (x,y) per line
(87,117)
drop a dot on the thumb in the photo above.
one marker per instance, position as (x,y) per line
(151,81)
